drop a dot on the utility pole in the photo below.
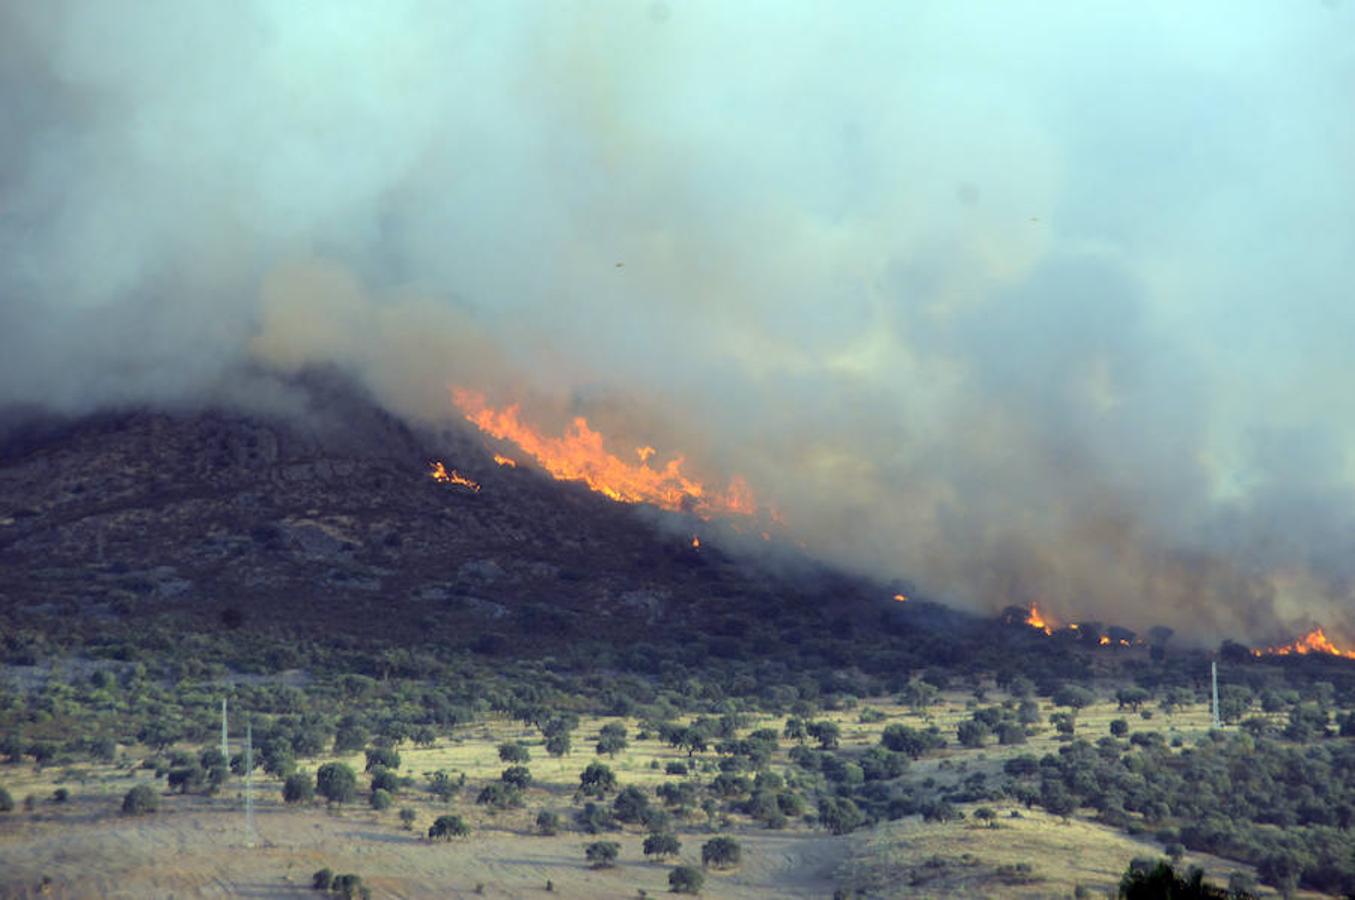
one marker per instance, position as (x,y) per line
(1214,679)
(225,746)
(250,840)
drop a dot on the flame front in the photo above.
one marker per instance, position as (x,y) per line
(1035,620)
(438,472)
(1315,641)
(580,455)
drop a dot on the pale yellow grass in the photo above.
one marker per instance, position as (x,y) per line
(194,847)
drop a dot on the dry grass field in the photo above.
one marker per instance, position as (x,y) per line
(195,846)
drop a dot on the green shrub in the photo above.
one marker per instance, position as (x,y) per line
(299,788)
(140,800)
(447,827)
(721,852)
(686,880)
(602,854)
(336,782)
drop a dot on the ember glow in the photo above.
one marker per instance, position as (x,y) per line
(1315,641)
(900,598)
(580,454)
(696,542)
(438,472)
(505,461)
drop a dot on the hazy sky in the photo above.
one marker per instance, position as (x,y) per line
(1018,300)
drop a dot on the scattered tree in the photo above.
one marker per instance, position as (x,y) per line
(547,823)
(336,782)
(686,880)
(662,845)
(140,800)
(721,852)
(602,854)
(447,827)
(513,752)
(299,788)
(596,780)
(612,739)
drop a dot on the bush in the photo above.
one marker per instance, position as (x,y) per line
(721,852)
(675,768)
(662,845)
(299,788)
(594,818)
(596,780)
(602,854)
(441,785)
(1143,883)
(686,880)
(386,757)
(407,817)
(6,801)
(386,780)
(547,823)
(350,886)
(322,880)
(381,800)
(140,800)
(631,805)
(447,827)
(518,776)
(499,795)
(513,752)
(839,815)
(336,782)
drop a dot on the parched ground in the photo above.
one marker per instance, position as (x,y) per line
(200,853)
(195,846)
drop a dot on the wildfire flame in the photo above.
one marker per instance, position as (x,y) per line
(1315,641)
(1035,620)
(505,461)
(580,455)
(438,472)
(696,542)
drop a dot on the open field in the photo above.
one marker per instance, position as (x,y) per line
(195,846)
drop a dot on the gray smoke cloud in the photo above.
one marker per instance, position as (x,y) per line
(1019,301)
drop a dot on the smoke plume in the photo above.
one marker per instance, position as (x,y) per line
(1018,301)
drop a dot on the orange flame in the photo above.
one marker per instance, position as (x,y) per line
(579,455)
(1036,620)
(505,461)
(438,472)
(696,542)
(900,598)
(1315,641)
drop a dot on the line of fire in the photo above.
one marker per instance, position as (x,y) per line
(580,455)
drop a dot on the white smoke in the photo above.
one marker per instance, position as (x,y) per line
(1019,302)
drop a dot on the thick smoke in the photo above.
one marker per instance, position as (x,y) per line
(1018,301)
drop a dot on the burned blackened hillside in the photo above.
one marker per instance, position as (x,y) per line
(325,526)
